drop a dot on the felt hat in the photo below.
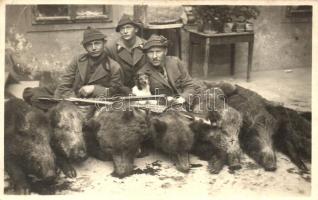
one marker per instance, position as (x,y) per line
(127,19)
(155,40)
(91,34)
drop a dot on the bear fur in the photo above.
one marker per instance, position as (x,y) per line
(116,135)
(172,135)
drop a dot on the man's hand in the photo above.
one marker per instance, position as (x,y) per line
(86,90)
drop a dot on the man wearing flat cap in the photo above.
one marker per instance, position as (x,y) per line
(92,74)
(167,74)
(127,49)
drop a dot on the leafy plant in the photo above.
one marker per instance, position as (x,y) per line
(244,13)
(218,15)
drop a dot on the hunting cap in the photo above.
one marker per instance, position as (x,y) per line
(155,40)
(91,34)
(128,19)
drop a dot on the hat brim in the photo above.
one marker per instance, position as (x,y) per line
(132,23)
(146,48)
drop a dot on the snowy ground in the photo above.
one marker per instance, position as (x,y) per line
(155,175)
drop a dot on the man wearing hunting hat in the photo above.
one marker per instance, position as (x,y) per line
(92,74)
(127,49)
(167,74)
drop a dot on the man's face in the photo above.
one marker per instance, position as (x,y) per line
(95,48)
(156,55)
(128,31)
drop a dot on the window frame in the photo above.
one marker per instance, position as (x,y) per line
(71,18)
(292,11)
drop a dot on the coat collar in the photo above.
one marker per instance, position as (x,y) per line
(170,72)
(99,73)
(124,53)
(120,44)
(156,75)
(82,67)
(138,54)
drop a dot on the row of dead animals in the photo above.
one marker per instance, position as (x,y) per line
(40,143)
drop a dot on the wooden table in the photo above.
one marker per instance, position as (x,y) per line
(158,29)
(221,38)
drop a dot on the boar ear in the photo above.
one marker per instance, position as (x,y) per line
(128,114)
(91,125)
(160,126)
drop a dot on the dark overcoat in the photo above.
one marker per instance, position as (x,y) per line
(130,62)
(106,75)
(178,81)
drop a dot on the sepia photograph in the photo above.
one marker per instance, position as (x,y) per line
(158,99)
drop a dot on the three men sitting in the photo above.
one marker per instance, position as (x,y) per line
(110,69)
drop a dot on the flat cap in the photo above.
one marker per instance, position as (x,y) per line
(155,40)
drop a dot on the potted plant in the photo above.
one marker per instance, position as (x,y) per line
(210,19)
(242,15)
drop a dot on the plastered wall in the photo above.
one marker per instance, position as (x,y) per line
(279,43)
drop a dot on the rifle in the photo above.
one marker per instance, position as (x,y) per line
(102,101)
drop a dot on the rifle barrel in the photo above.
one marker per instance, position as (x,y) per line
(103,101)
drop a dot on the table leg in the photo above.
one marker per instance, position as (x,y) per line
(190,54)
(206,58)
(232,59)
(180,42)
(250,59)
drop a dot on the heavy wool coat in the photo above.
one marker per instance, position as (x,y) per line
(130,62)
(178,81)
(106,75)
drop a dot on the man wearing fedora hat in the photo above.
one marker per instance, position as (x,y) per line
(167,74)
(127,49)
(92,74)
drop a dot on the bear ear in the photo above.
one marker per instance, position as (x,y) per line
(214,116)
(128,114)
(160,126)
(91,125)
(53,116)
(195,126)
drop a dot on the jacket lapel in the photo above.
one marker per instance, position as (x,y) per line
(138,54)
(170,74)
(99,73)
(155,74)
(125,55)
(82,68)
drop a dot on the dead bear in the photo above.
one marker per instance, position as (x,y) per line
(293,135)
(216,134)
(27,149)
(172,135)
(68,140)
(118,135)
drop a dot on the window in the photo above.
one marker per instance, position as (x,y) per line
(297,14)
(299,11)
(60,14)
